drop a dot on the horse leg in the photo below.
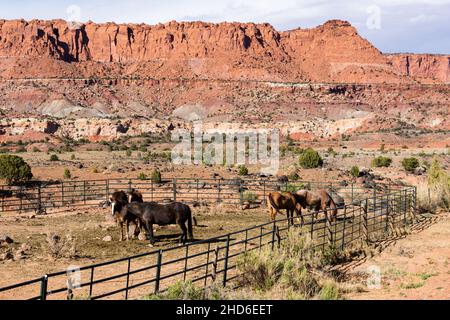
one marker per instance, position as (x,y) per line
(184,235)
(149,227)
(121,230)
(137,229)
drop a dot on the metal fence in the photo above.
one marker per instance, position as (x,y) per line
(41,198)
(215,260)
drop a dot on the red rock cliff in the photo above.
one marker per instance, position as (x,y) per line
(332,52)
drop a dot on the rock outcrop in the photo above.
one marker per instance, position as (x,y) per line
(332,52)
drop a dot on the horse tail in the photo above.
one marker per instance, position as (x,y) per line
(333,206)
(272,203)
(189,214)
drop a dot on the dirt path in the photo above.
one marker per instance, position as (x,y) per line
(414,267)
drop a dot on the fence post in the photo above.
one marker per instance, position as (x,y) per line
(352,192)
(174,188)
(274,230)
(264,192)
(62,194)
(374,199)
(343,228)
(39,204)
(216,259)
(414,207)
(151,189)
(107,189)
(225,268)
(158,271)
(241,193)
(218,191)
(388,209)
(44,283)
(329,228)
(365,222)
(185,262)
(84,191)
(207,264)
(128,278)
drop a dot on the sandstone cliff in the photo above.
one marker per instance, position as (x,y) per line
(332,52)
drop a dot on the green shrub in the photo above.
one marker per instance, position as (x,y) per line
(310,159)
(179,291)
(242,170)
(14,169)
(330,291)
(72,157)
(410,164)
(36,149)
(155,176)
(54,157)
(129,153)
(293,176)
(381,161)
(142,176)
(354,171)
(67,174)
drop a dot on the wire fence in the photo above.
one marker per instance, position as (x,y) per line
(214,260)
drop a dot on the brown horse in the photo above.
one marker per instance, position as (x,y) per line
(119,200)
(286,200)
(319,200)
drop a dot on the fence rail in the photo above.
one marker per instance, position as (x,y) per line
(92,192)
(368,219)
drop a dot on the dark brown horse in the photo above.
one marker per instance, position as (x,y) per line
(286,200)
(319,200)
(119,200)
(150,213)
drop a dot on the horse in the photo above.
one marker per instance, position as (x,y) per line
(119,200)
(150,213)
(319,200)
(287,200)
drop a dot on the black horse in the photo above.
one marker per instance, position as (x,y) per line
(150,213)
(119,200)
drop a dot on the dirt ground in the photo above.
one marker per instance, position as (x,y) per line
(414,267)
(88,227)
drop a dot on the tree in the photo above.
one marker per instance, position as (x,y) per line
(54,157)
(67,174)
(310,159)
(14,169)
(354,171)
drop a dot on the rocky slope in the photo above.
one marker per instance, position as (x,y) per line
(310,83)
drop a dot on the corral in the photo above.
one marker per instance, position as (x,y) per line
(368,216)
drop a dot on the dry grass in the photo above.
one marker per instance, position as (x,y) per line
(60,247)
(435,192)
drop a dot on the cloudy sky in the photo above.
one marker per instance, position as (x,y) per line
(391,25)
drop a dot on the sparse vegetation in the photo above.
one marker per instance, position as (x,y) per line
(354,171)
(67,174)
(381,161)
(410,164)
(155,176)
(242,170)
(14,169)
(310,159)
(54,157)
(60,247)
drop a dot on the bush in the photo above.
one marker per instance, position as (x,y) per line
(36,149)
(155,176)
(60,247)
(67,174)
(142,176)
(72,157)
(381,161)
(242,170)
(54,157)
(410,164)
(354,171)
(129,153)
(436,192)
(310,159)
(14,169)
